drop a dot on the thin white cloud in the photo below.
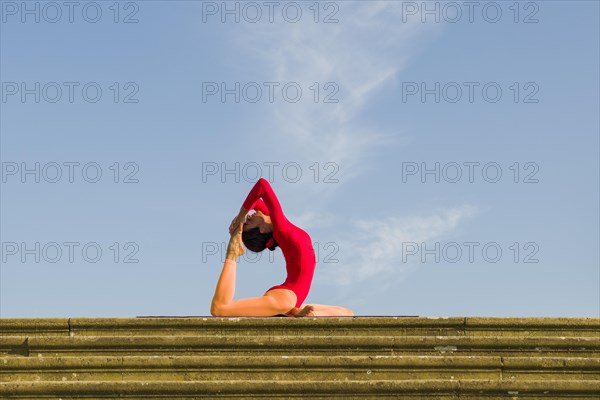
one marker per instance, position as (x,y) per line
(374,250)
(361,54)
(311,220)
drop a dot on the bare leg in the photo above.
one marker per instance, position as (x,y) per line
(320,310)
(226,284)
(276,301)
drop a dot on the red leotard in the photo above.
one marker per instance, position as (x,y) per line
(296,244)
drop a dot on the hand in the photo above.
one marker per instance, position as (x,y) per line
(234,224)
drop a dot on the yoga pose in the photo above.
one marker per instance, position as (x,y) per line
(269,228)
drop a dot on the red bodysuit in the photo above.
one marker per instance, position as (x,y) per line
(296,244)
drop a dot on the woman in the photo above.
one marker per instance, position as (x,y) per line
(269,228)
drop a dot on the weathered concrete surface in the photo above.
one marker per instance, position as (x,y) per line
(289,358)
(314,326)
(233,367)
(282,344)
(382,387)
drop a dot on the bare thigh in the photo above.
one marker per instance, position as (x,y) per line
(276,301)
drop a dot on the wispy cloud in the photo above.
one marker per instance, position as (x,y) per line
(311,220)
(375,247)
(361,54)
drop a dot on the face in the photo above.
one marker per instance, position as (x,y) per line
(253,221)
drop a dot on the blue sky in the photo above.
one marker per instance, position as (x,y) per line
(340,165)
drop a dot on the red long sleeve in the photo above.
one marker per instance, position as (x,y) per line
(263,190)
(260,205)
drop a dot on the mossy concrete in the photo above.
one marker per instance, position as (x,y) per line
(293,358)
(325,326)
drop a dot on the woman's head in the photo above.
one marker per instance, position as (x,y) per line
(257,233)
(257,241)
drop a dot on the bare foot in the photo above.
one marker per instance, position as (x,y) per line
(307,311)
(236,246)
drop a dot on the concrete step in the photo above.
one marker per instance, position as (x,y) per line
(295,358)
(322,326)
(298,345)
(430,388)
(233,367)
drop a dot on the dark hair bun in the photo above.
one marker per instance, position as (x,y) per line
(256,241)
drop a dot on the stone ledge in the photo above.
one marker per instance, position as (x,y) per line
(482,387)
(306,361)
(364,325)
